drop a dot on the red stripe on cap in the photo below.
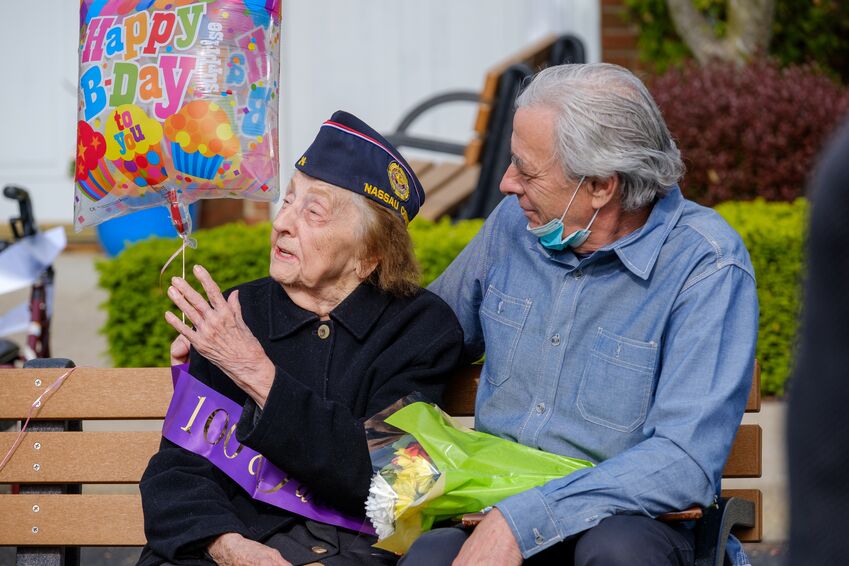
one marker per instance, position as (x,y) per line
(361,135)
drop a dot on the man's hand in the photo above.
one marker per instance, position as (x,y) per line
(232,549)
(221,335)
(491,544)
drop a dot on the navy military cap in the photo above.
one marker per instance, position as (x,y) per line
(348,153)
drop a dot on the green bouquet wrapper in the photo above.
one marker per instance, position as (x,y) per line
(430,468)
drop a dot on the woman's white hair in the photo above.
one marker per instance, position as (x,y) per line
(608,124)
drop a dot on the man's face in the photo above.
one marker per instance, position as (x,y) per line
(534,175)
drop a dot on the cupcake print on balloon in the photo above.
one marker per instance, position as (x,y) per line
(201,137)
(91,174)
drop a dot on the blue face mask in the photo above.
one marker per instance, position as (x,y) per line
(550,234)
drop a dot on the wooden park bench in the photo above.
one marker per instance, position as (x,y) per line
(49,519)
(469,188)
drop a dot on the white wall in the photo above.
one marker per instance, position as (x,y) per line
(375,58)
(378,58)
(38,104)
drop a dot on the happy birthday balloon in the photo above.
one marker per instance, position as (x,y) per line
(177,100)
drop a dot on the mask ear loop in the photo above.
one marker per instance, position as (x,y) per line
(592,219)
(578,188)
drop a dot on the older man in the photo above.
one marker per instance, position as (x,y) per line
(619,322)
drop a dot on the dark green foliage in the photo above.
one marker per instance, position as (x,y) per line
(437,244)
(774,234)
(135,329)
(804,31)
(816,31)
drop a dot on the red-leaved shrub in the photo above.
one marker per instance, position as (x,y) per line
(751,131)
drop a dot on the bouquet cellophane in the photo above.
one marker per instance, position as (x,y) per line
(430,468)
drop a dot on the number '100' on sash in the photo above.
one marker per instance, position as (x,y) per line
(203,421)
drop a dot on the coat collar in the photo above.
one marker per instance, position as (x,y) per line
(357,313)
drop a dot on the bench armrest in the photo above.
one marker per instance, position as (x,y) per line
(713,530)
(399,138)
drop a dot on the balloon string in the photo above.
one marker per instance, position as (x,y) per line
(33,410)
(187,243)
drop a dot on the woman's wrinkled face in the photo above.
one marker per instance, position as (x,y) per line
(315,238)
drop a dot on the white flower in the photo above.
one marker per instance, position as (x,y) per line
(380,506)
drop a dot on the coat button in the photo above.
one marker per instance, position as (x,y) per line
(318,549)
(323,333)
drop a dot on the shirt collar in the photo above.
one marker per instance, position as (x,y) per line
(638,250)
(357,313)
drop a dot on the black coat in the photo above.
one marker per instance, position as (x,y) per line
(379,349)
(817,422)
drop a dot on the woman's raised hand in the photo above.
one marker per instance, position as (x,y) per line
(221,335)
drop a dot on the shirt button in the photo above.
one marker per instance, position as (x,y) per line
(323,332)
(319,549)
(540,408)
(538,538)
(555,340)
(579,274)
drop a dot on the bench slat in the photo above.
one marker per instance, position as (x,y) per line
(459,398)
(79,457)
(120,521)
(59,456)
(745,460)
(437,175)
(452,193)
(80,520)
(753,403)
(533,55)
(419,166)
(136,393)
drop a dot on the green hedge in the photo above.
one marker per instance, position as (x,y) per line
(136,331)
(138,335)
(774,234)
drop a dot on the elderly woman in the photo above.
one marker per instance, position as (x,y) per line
(339,331)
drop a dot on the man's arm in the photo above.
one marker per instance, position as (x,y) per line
(461,286)
(706,365)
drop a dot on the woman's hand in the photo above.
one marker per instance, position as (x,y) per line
(180,350)
(221,335)
(232,549)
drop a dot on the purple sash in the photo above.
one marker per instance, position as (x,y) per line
(199,420)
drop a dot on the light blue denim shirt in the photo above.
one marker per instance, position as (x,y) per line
(638,358)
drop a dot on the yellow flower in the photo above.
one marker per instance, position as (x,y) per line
(413,478)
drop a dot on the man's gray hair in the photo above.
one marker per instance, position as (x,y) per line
(608,123)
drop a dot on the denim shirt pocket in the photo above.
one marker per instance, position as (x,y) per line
(616,386)
(503,318)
